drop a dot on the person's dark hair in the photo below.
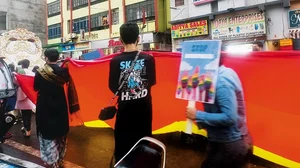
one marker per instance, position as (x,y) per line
(129,33)
(259,44)
(25,63)
(12,67)
(52,55)
(20,62)
(35,68)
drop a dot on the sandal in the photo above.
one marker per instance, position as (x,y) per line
(25,132)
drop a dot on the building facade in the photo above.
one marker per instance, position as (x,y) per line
(96,23)
(28,14)
(238,23)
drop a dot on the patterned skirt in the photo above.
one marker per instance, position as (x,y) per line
(53,151)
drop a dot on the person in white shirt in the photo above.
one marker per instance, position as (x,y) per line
(23,102)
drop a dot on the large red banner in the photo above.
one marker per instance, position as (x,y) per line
(270,81)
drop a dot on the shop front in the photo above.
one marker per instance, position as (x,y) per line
(148,41)
(108,46)
(195,30)
(56,46)
(240,30)
(75,50)
(294,28)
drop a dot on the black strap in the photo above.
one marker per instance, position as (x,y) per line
(126,74)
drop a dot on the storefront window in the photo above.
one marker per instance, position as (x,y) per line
(115,16)
(239,48)
(54,31)
(54,8)
(77,4)
(99,21)
(134,12)
(179,3)
(79,24)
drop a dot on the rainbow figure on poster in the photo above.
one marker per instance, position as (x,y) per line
(207,85)
(189,87)
(211,93)
(179,89)
(201,87)
(184,83)
(195,80)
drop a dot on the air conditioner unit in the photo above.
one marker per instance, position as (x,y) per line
(286,3)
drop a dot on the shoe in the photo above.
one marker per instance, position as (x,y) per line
(25,132)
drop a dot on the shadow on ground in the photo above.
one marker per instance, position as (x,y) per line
(93,148)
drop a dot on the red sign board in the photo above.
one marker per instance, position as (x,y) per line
(113,43)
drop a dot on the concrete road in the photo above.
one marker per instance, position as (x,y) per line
(93,148)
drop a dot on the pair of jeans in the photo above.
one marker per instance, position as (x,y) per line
(235,154)
(26,117)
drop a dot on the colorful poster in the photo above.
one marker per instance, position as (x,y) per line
(190,29)
(198,70)
(239,25)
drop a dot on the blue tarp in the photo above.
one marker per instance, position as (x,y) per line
(92,55)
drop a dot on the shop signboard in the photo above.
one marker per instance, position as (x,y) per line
(239,25)
(68,47)
(286,42)
(199,2)
(114,43)
(294,19)
(197,28)
(84,45)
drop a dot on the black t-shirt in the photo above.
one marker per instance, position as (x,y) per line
(134,102)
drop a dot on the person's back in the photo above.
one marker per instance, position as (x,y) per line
(233,130)
(51,111)
(23,103)
(51,105)
(229,143)
(134,116)
(52,120)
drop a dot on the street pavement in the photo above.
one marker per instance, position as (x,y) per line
(93,148)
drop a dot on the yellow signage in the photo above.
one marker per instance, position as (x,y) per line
(197,28)
(286,42)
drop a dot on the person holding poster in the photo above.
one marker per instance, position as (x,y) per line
(134,116)
(229,142)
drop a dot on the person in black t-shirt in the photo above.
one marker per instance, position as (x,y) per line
(134,116)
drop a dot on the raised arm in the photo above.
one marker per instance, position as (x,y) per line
(227,115)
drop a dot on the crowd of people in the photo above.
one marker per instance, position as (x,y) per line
(230,144)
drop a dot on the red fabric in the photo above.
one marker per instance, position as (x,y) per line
(286,48)
(26,83)
(270,81)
